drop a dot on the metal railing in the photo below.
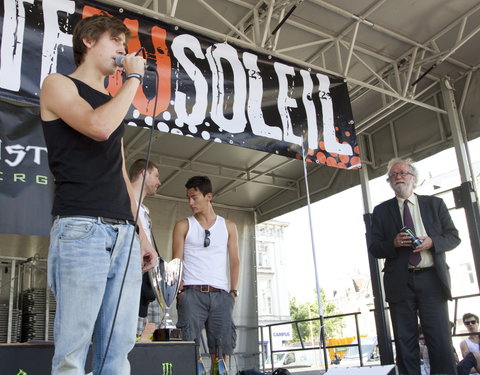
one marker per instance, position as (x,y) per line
(322,340)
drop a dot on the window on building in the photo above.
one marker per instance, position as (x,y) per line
(265,300)
(469,273)
(263,255)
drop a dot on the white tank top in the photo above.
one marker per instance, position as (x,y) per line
(206,265)
(473,347)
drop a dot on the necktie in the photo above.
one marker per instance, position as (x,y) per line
(413,258)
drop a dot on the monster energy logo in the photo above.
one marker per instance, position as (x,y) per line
(167,368)
(21,372)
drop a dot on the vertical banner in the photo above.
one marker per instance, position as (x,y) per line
(26,185)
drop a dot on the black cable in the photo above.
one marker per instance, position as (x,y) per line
(289,13)
(424,74)
(136,220)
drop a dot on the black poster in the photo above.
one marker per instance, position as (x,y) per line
(26,185)
(196,87)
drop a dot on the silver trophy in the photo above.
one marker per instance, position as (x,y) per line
(165,278)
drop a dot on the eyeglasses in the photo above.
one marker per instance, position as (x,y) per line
(401,174)
(206,241)
(470,322)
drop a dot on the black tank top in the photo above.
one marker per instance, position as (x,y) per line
(88,173)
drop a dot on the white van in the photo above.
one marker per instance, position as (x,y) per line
(370,353)
(290,359)
(299,358)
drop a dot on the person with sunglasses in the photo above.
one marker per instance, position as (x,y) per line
(412,233)
(471,344)
(208,245)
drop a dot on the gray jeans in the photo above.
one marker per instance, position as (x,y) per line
(212,310)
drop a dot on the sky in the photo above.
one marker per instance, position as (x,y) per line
(339,230)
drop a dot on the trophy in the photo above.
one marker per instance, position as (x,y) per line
(165,278)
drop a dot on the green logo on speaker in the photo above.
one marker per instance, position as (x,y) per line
(21,372)
(167,368)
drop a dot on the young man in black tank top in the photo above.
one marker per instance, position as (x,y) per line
(93,207)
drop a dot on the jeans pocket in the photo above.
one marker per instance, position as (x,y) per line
(74,231)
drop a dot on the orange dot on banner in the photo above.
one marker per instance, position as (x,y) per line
(337,128)
(321,145)
(356,150)
(355,160)
(308,160)
(332,162)
(321,157)
(337,139)
(310,152)
(347,134)
(344,158)
(341,165)
(334,154)
(298,157)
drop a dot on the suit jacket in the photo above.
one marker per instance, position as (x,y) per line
(387,222)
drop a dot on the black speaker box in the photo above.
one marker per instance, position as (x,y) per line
(157,358)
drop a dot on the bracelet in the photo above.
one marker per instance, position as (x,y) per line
(137,76)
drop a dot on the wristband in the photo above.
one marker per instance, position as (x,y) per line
(137,76)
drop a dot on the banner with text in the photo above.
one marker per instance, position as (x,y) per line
(206,89)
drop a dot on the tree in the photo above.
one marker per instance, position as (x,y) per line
(309,310)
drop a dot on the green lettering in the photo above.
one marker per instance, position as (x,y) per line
(19,177)
(42,180)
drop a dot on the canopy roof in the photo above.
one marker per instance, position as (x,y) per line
(381,47)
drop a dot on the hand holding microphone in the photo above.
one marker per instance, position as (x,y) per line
(122,61)
(133,64)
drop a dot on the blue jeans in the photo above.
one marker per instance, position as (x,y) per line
(86,264)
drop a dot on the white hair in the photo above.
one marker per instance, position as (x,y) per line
(407,161)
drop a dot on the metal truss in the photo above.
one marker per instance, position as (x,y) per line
(337,52)
(399,83)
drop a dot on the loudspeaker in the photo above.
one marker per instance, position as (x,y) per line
(366,370)
(167,358)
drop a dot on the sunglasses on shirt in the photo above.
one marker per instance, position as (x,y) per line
(470,322)
(206,241)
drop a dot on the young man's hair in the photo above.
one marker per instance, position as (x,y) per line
(92,28)
(469,315)
(138,166)
(200,183)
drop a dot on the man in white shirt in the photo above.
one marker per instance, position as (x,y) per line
(472,343)
(207,243)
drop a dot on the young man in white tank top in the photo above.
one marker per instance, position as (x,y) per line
(472,343)
(208,245)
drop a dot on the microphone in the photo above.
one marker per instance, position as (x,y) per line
(119,62)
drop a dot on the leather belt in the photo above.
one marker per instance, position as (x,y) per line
(103,220)
(419,269)
(203,288)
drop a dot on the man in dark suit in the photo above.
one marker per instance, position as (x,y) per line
(416,278)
